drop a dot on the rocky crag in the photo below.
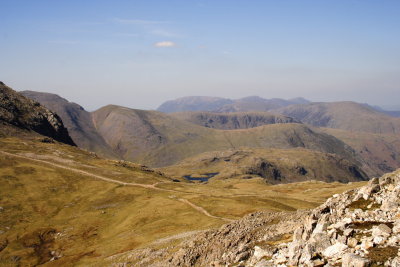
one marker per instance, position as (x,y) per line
(356,228)
(24,113)
(360,227)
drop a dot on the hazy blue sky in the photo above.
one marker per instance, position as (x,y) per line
(141,53)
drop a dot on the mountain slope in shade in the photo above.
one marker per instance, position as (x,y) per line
(76,119)
(194,103)
(19,112)
(380,151)
(157,139)
(273,165)
(232,121)
(205,103)
(349,116)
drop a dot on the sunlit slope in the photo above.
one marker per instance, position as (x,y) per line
(157,139)
(62,206)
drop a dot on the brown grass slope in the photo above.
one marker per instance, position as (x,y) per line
(62,206)
(76,119)
(273,165)
(234,120)
(157,139)
(23,113)
(349,116)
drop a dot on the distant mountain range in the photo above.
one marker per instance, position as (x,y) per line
(204,103)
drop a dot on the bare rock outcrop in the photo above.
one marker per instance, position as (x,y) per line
(357,228)
(23,113)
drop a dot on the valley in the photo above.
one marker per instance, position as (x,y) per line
(140,182)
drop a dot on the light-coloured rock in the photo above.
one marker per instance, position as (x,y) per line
(381,230)
(334,250)
(348,232)
(378,240)
(352,242)
(366,244)
(352,260)
(259,253)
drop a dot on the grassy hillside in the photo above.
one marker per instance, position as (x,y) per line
(76,119)
(64,206)
(233,120)
(349,116)
(157,139)
(273,165)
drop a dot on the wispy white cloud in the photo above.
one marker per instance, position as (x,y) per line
(165,44)
(139,21)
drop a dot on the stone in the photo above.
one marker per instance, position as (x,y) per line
(352,260)
(378,240)
(259,253)
(352,242)
(381,230)
(280,259)
(318,263)
(348,232)
(320,241)
(298,233)
(366,244)
(334,250)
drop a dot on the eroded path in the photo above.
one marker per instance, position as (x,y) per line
(110,180)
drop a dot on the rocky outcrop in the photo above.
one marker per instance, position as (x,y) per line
(21,112)
(356,228)
(233,121)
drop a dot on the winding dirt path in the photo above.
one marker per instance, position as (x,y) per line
(202,210)
(106,179)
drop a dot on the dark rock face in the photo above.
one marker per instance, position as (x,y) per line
(235,120)
(21,112)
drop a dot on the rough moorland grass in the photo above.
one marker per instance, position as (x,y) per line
(52,211)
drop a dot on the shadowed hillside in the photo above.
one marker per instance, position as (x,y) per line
(23,113)
(380,151)
(273,165)
(76,119)
(349,116)
(232,121)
